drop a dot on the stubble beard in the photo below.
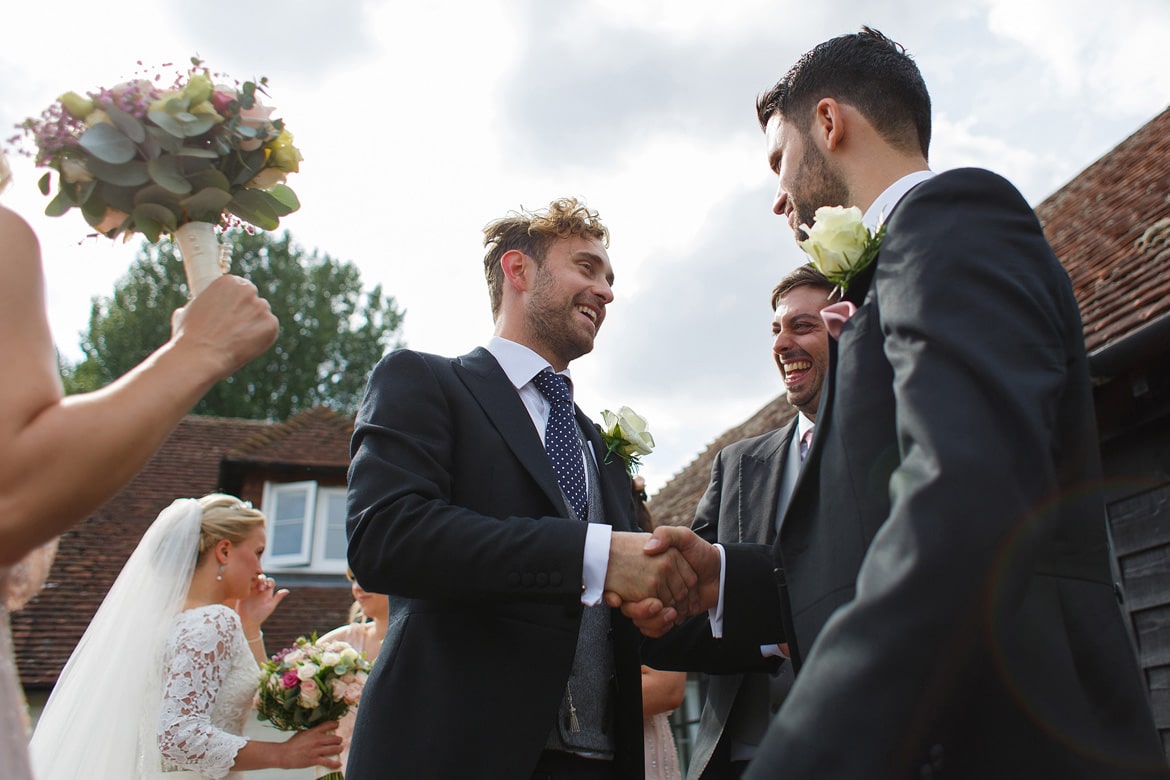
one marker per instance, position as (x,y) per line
(819,185)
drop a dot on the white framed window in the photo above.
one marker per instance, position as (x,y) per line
(306,526)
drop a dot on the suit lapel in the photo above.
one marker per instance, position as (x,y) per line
(761,474)
(494,393)
(615,483)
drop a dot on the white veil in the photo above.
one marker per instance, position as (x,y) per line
(101,720)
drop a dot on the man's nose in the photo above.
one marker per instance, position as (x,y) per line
(780,202)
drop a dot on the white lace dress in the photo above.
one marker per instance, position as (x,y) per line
(208,689)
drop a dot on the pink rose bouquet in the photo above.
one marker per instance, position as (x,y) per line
(309,683)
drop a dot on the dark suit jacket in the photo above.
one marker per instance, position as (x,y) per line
(740,505)
(948,571)
(455,511)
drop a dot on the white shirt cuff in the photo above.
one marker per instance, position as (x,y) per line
(716,612)
(596,564)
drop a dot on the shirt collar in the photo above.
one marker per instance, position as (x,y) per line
(803,425)
(880,209)
(519,362)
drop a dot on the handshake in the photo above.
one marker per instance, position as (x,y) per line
(660,579)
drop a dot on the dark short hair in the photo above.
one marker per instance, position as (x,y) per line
(865,70)
(532,232)
(802,276)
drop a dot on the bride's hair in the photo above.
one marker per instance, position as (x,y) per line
(226,517)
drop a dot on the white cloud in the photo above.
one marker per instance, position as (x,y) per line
(420,122)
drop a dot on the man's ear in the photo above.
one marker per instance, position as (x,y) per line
(517,268)
(828,128)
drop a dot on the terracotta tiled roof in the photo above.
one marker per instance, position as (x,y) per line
(675,503)
(315,437)
(93,552)
(1110,227)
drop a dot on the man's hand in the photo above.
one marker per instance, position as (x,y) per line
(633,575)
(654,615)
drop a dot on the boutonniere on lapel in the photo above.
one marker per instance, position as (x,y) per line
(625,436)
(840,244)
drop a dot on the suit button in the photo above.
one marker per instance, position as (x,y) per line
(542,580)
(526,580)
(514,579)
(554,578)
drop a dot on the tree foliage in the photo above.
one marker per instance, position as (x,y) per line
(331,334)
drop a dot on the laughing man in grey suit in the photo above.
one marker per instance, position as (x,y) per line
(751,481)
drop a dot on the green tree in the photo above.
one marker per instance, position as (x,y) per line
(331,334)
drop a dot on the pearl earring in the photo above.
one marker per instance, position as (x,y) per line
(219,577)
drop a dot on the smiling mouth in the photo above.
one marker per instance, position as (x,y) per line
(588,312)
(794,370)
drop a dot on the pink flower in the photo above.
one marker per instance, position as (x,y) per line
(256,118)
(290,679)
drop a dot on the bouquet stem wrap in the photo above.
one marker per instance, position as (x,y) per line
(203,255)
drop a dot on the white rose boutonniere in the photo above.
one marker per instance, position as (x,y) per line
(840,244)
(625,435)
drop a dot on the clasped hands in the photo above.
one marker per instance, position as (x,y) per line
(658,580)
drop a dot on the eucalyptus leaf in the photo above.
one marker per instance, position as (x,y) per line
(127,174)
(198,124)
(127,124)
(120,198)
(165,173)
(165,139)
(251,206)
(94,209)
(59,204)
(251,164)
(151,146)
(149,228)
(45,184)
(197,151)
(211,177)
(284,195)
(207,204)
(160,214)
(107,143)
(159,195)
(167,122)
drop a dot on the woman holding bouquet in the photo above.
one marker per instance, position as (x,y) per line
(364,632)
(94,442)
(165,676)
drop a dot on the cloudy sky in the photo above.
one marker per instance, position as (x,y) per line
(422,121)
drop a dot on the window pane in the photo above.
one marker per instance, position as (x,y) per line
(335,541)
(288,520)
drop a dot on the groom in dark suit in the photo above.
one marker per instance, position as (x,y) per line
(944,584)
(483,501)
(751,483)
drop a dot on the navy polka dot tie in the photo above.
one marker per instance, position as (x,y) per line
(561,440)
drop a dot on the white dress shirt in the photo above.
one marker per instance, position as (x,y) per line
(520,364)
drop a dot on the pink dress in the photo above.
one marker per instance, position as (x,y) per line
(356,636)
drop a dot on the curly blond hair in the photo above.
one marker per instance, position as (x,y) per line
(531,232)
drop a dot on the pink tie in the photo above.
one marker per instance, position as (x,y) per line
(805,443)
(835,316)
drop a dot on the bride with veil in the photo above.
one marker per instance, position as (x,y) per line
(163,680)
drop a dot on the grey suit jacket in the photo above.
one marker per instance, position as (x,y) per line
(739,505)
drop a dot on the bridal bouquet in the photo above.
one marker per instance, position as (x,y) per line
(310,683)
(140,158)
